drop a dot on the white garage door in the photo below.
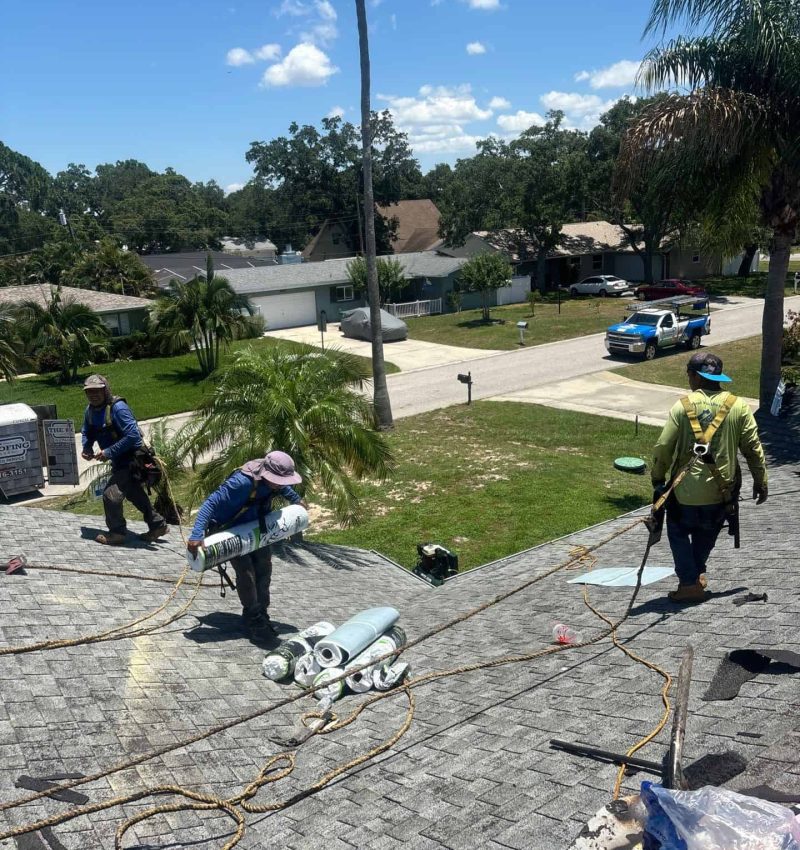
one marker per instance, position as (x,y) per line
(287,309)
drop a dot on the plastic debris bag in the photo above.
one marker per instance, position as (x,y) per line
(716,819)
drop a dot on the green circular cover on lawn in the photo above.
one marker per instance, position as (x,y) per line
(630,464)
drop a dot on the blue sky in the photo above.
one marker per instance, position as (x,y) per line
(190,83)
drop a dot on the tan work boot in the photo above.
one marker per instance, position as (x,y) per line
(702,581)
(689,593)
(154,533)
(110,538)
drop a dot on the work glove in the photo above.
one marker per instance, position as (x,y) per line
(659,488)
(193,546)
(760,493)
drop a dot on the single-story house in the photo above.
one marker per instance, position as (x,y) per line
(595,247)
(186,265)
(294,295)
(121,314)
(417,230)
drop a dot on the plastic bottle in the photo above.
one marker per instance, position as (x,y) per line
(566,634)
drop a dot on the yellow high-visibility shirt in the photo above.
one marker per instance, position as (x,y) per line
(674,448)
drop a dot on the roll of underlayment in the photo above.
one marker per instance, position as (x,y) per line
(247,537)
(306,669)
(322,690)
(387,676)
(338,648)
(361,681)
(280,663)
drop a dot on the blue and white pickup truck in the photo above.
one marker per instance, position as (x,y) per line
(659,325)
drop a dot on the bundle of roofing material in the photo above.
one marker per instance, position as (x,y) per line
(354,636)
(248,536)
(363,680)
(281,663)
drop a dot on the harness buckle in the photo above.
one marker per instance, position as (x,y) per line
(702,450)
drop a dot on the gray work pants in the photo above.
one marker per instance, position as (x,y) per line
(253,576)
(122,486)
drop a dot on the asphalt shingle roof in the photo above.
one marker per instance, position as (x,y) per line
(100,302)
(474,771)
(332,272)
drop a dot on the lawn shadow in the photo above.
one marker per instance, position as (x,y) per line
(480,323)
(183,374)
(627,503)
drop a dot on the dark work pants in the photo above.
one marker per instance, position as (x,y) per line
(122,486)
(253,576)
(692,531)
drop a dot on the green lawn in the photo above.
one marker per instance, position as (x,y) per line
(752,287)
(153,387)
(487,481)
(741,359)
(794,265)
(578,317)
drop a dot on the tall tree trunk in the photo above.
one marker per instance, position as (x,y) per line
(772,320)
(747,260)
(383,407)
(541,270)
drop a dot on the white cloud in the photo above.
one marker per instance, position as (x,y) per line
(239,56)
(268,52)
(393,21)
(325,10)
(323,33)
(304,65)
(499,103)
(475,48)
(233,187)
(293,8)
(520,121)
(581,111)
(336,112)
(622,73)
(488,5)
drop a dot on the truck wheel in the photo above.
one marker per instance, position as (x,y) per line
(650,351)
(694,342)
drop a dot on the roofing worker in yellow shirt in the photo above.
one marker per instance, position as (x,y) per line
(713,424)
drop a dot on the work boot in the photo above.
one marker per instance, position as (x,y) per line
(260,630)
(110,538)
(689,593)
(154,533)
(702,580)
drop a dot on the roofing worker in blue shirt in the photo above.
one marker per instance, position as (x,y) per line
(245,496)
(109,422)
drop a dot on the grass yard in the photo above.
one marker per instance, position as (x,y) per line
(752,287)
(154,387)
(487,481)
(578,317)
(741,359)
(794,265)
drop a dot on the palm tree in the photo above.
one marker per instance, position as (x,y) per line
(175,450)
(11,356)
(738,122)
(73,332)
(383,406)
(205,313)
(391,276)
(302,402)
(109,268)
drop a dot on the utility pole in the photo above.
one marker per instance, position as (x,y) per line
(383,407)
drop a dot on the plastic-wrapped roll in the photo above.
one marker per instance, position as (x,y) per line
(387,676)
(338,648)
(247,537)
(280,663)
(306,669)
(332,692)
(361,682)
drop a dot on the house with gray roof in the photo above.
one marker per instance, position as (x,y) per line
(121,314)
(294,295)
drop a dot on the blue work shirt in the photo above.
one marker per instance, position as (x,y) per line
(120,441)
(231,496)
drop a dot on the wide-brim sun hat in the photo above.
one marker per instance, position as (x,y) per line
(278,468)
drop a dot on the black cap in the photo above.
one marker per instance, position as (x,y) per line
(708,366)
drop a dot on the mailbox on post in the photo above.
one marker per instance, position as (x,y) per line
(467,379)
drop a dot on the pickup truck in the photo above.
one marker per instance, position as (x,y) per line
(659,325)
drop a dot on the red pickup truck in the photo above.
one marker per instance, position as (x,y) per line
(668,289)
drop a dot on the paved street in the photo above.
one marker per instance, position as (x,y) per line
(475,771)
(511,372)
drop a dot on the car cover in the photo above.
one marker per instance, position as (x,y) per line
(356,325)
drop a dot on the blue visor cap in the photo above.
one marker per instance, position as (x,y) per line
(722,379)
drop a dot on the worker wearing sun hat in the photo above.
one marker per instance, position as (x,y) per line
(244,496)
(715,424)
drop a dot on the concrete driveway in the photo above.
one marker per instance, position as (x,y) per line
(408,355)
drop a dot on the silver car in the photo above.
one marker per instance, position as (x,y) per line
(600,284)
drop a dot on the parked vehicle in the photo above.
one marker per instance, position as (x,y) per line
(660,325)
(668,288)
(602,285)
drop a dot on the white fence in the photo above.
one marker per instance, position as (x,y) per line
(415,308)
(516,293)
